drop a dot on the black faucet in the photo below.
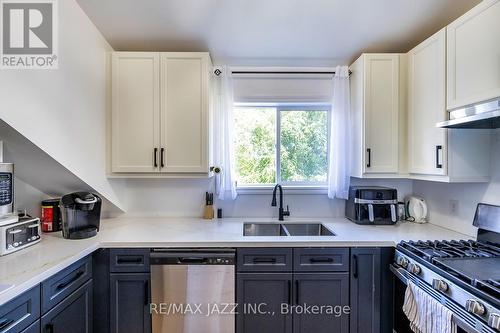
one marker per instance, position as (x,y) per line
(282,212)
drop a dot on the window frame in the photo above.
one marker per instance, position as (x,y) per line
(296,187)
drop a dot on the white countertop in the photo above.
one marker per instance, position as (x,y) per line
(28,267)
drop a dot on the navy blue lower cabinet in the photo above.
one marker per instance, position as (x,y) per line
(34,328)
(260,297)
(129,303)
(322,301)
(371,290)
(19,313)
(73,314)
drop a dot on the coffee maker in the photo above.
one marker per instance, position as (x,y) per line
(81,215)
(372,205)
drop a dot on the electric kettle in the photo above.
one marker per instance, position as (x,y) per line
(416,209)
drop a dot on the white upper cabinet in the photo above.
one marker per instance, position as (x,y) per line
(184,111)
(160,106)
(474,56)
(427,144)
(135,126)
(375,106)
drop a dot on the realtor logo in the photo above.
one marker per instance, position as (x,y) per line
(29,34)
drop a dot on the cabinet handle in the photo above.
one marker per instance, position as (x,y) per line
(155,153)
(49,328)
(297,292)
(67,283)
(355,266)
(129,261)
(369,164)
(5,323)
(438,165)
(146,292)
(289,292)
(321,260)
(162,157)
(264,260)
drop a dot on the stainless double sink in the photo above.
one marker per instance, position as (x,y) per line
(286,229)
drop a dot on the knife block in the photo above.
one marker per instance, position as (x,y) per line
(208,213)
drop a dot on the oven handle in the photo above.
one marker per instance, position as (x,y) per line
(401,274)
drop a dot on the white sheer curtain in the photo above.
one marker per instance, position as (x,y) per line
(340,136)
(225,185)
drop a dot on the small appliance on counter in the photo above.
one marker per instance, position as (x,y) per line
(17,233)
(372,205)
(416,209)
(6,188)
(81,215)
(51,215)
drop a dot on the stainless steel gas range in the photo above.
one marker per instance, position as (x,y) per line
(463,275)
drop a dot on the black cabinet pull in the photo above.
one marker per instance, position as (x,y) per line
(5,323)
(192,260)
(297,292)
(67,283)
(321,260)
(155,153)
(369,164)
(162,157)
(438,165)
(355,266)
(264,260)
(146,292)
(289,292)
(128,261)
(49,328)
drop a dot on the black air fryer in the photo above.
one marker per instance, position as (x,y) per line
(81,215)
(372,205)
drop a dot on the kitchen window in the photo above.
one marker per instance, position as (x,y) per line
(286,144)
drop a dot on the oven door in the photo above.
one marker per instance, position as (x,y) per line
(401,322)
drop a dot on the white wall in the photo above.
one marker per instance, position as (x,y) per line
(438,196)
(185,197)
(63,111)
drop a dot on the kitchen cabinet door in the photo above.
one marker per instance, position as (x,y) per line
(427,106)
(73,314)
(473,73)
(330,290)
(184,112)
(135,116)
(269,290)
(371,290)
(129,303)
(381,102)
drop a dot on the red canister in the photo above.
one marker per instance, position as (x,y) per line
(51,215)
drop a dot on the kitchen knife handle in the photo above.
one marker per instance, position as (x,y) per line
(162,158)
(369,164)
(155,153)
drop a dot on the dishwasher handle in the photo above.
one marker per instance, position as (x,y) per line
(163,257)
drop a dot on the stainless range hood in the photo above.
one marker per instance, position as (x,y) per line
(484,115)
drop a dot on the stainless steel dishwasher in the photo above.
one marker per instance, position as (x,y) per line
(193,290)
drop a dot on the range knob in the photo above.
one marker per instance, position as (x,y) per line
(494,321)
(402,261)
(440,285)
(475,307)
(414,269)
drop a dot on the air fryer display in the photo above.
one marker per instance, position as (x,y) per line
(5,188)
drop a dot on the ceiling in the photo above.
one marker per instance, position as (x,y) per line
(272,32)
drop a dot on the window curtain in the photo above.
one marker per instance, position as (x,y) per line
(225,182)
(340,136)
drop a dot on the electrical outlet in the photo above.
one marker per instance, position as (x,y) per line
(454,207)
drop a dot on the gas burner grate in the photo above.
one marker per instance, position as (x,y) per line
(430,250)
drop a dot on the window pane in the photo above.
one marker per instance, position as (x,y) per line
(304,136)
(255,142)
